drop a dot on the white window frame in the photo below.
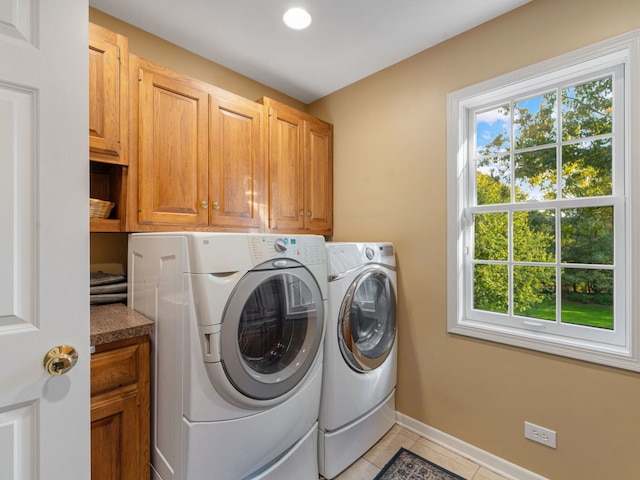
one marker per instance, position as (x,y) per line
(621,347)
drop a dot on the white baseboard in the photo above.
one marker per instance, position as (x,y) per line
(475,454)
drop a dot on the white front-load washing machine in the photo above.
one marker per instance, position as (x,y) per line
(237,352)
(358,395)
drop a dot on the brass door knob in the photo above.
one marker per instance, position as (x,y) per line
(204,204)
(59,360)
(216,205)
(309,213)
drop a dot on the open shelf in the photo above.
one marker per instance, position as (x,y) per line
(107,183)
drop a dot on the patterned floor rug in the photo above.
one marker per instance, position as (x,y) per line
(406,465)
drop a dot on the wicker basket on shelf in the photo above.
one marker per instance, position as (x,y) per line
(100,208)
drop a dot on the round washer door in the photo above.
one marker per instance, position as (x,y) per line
(271,331)
(367,323)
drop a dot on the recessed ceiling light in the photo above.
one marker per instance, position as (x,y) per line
(297,18)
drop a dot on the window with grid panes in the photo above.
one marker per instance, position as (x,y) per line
(541,175)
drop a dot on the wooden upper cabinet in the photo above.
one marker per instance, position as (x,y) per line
(108,72)
(200,155)
(108,125)
(286,171)
(172,165)
(237,164)
(202,158)
(300,171)
(318,166)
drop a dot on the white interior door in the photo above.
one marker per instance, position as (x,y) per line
(44,239)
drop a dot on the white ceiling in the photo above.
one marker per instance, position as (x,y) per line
(347,40)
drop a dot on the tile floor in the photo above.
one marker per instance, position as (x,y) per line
(377,457)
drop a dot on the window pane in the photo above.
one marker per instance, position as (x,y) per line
(534,292)
(535,121)
(587,169)
(491,288)
(491,236)
(587,297)
(587,235)
(493,131)
(534,236)
(587,109)
(536,175)
(493,180)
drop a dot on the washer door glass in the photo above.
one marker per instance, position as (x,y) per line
(367,326)
(271,331)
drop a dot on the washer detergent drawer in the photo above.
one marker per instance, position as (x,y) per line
(211,292)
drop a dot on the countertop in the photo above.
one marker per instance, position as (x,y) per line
(110,323)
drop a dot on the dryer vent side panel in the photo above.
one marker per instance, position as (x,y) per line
(156,278)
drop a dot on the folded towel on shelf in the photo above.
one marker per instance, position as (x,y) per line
(101,278)
(107,288)
(107,298)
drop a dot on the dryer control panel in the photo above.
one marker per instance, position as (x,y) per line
(344,256)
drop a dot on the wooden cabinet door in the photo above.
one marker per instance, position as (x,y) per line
(300,171)
(286,171)
(107,95)
(172,148)
(120,418)
(236,162)
(115,437)
(318,168)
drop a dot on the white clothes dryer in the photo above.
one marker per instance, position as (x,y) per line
(237,352)
(358,395)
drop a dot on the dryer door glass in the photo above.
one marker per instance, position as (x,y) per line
(272,331)
(367,326)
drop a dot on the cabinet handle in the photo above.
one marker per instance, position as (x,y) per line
(309,213)
(216,205)
(204,204)
(302,213)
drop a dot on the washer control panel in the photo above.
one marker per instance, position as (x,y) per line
(307,249)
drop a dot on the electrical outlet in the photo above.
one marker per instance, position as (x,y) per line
(540,434)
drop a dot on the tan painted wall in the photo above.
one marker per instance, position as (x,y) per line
(108,252)
(390,184)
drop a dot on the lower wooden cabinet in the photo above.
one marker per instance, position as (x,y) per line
(120,416)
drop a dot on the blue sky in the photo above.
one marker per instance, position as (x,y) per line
(493,122)
(490,124)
